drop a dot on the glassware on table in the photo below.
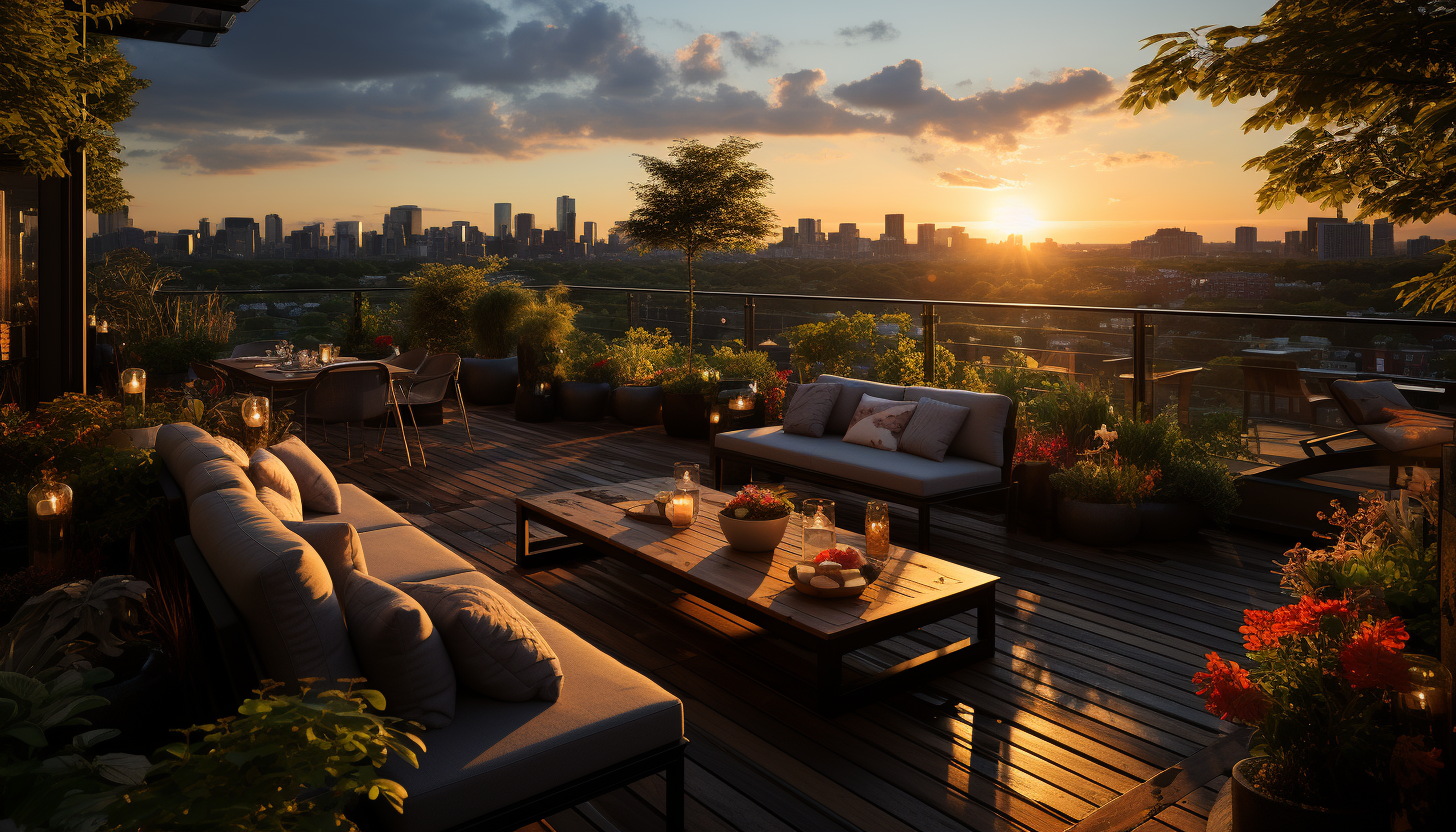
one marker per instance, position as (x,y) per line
(877,537)
(683,508)
(687,476)
(818,527)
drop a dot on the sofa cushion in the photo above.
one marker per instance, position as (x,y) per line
(808,408)
(496,753)
(404,553)
(317,486)
(983,436)
(848,400)
(879,423)
(1369,402)
(235,451)
(278,583)
(906,473)
(1419,437)
(183,445)
(281,507)
(214,475)
(496,651)
(933,427)
(338,545)
(400,650)
(268,471)
(360,510)
(172,437)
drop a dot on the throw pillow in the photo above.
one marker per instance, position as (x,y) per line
(339,546)
(316,484)
(878,423)
(809,408)
(268,471)
(401,653)
(280,506)
(495,650)
(234,450)
(932,428)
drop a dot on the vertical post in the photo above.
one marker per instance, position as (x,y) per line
(61,316)
(356,326)
(750,338)
(1139,367)
(1446,559)
(927,342)
(634,311)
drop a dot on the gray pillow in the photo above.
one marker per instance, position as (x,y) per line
(339,546)
(932,428)
(983,436)
(317,487)
(401,653)
(848,401)
(495,650)
(809,408)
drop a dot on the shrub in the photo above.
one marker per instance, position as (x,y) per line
(1189,473)
(495,317)
(1104,478)
(638,355)
(585,357)
(543,328)
(440,310)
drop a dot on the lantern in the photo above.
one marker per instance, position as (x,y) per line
(326,354)
(49,506)
(687,478)
(134,389)
(256,411)
(877,529)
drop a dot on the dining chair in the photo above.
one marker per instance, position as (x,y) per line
(353,393)
(408,360)
(430,384)
(255,349)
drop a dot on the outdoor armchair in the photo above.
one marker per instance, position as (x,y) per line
(429,385)
(357,392)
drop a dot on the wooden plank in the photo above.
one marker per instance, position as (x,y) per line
(1167,787)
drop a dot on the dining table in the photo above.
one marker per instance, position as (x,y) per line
(267,372)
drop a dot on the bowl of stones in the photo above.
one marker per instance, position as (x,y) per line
(841,572)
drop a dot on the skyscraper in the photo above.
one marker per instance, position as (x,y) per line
(566,217)
(240,236)
(524,224)
(502,227)
(589,233)
(1422,245)
(1382,238)
(113,221)
(1343,241)
(1292,245)
(925,235)
(272,230)
(809,230)
(410,218)
(895,226)
(204,228)
(1311,233)
(1245,237)
(348,234)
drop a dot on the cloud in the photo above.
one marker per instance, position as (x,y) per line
(878,30)
(964,178)
(753,49)
(698,62)
(1119,159)
(222,153)
(1112,200)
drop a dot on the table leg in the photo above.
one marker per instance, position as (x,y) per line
(830,678)
(553,550)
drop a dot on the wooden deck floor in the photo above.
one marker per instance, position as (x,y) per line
(1087,696)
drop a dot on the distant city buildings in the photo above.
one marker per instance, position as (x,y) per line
(1422,245)
(1382,238)
(1343,240)
(1168,242)
(566,218)
(502,227)
(272,230)
(113,221)
(895,227)
(1245,238)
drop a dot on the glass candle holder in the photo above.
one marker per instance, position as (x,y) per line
(134,389)
(683,508)
(326,354)
(256,411)
(715,415)
(741,402)
(49,506)
(818,527)
(1425,709)
(877,529)
(686,476)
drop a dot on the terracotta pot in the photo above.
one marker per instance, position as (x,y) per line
(753,535)
(637,405)
(1254,811)
(686,415)
(1098,524)
(583,401)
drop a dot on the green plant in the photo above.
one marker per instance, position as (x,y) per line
(1067,407)
(169,355)
(1220,433)
(543,328)
(1104,478)
(495,317)
(904,364)
(440,309)
(638,355)
(1189,473)
(162,334)
(49,629)
(224,417)
(585,358)
(689,381)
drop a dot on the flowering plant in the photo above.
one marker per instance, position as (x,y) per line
(1032,445)
(384,342)
(1318,694)
(1105,478)
(754,503)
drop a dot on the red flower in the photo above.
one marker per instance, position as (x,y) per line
(601,363)
(1227,692)
(849,558)
(1263,629)
(384,341)
(1374,658)
(1411,764)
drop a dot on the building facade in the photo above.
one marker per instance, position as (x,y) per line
(502,227)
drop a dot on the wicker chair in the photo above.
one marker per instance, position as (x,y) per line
(430,384)
(353,393)
(254,348)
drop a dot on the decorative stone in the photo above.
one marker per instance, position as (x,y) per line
(829,568)
(854,583)
(822,582)
(848,575)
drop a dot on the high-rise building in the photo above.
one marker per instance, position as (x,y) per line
(272,230)
(1343,240)
(925,235)
(895,226)
(1418,246)
(410,219)
(1310,240)
(566,216)
(1292,245)
(1168,242)
(809,231)
(348,236)
(1382,238)
(204,229)
(849,235)
(524,224)
(1245,238)
(502,227)
(113,221)
(589,234)
(240,236)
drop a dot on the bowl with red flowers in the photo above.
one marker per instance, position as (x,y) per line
(840,572)
(755,519)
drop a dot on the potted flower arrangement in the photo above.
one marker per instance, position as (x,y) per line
(635,360)
(1100,495)
(755,519)
(1193,488)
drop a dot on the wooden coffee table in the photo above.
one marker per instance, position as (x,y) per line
(915,590)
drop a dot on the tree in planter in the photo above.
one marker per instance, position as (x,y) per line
(440,310)
(543,328)
(701,199)
(1368,87)
(496,315)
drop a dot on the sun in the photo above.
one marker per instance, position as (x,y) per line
(1013,217)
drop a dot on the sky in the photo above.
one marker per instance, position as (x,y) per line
(997,116)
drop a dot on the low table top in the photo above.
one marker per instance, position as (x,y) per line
(911,581)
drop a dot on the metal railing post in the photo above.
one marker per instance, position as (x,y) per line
(357,325)
(634,312)
(1139,367)
(750,338)
(927,342)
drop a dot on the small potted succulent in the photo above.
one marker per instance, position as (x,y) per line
(755,520)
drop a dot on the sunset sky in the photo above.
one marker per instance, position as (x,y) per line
(997,116)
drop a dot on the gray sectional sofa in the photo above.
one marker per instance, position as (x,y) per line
(498,765)
(978,460)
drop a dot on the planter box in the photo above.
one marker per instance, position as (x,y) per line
(583,401)
(1098,524)
(637,405)
(686,415)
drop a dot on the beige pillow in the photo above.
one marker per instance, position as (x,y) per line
(215,475)
(281,507)
(809,406)
(234,450)
(316,484)
(496,650)
(878,423)
(268,471)
(339,546)
(402,654)
(932,428)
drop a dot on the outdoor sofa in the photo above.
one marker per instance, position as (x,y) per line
(978,460)
(499,764)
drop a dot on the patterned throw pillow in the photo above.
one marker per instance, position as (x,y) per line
(878,423)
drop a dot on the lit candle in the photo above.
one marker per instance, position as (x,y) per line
(819,531)
(326,353)
(715,416)
(255,411)
(542,388)
(101,328)
(1425,709)
(877,529)
(50,517)
(741,403)
(684,508)
(134,380)
(134,395)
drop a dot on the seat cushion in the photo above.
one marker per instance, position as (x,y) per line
(1417,437)
(278,583)
(849,396)
(983,435)
(401,652)
(404,553)
(808,408)
(1369,402)
(497,753)
(215,475)
(339,546)
(317,486)
(361,511)
(906,473)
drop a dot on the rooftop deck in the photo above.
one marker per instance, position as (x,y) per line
(1087,696)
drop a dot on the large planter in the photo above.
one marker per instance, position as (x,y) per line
(1035,499)
(686,415)
(1161,522)
(534,407)
(1098,524)
(488,381)
(583,401)
(637,406)
(753,535)
(1254,811)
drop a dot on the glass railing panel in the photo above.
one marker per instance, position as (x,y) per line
(848,338)
(1009,348)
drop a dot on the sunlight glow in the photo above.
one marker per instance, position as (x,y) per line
(1014,217)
